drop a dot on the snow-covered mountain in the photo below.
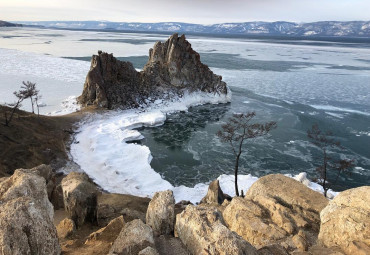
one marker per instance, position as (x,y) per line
(322,28)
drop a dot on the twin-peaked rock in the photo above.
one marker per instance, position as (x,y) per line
(173,68)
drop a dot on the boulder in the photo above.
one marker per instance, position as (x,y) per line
(148,251)
(215,194)
(277,210)
(66,228)
(26,216)
(249,220)
(160,215)
(173,67)
(108,233)
(110,206)
(345,222)
(133,238)
(290,192)
(79,195)
(202,230)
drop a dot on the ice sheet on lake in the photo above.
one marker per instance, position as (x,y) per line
(102,151)
(57,79)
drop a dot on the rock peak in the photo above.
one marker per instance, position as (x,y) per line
(173,67)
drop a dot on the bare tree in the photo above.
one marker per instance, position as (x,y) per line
(21,95)
(237,130)
(325,142)
(31,92)
(37,99)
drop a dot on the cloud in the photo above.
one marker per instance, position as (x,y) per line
(192,11)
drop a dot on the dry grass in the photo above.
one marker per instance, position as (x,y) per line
(31,140)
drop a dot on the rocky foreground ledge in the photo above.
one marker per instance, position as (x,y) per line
(278,215)
(172,69)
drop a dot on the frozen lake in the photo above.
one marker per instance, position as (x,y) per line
(296,83)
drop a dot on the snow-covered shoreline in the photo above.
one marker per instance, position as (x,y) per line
(101,150)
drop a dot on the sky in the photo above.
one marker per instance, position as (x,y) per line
(190,11)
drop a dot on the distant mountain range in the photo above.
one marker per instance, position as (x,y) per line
(279,28)
(8,24)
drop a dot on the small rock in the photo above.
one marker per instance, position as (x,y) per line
(133,238)
(66,228)
(215,194)
(108,233)
(161,212)
(79,194)
(111,206)
(273,249)
(148,251)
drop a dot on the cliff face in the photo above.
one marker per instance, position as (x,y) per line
(173,67)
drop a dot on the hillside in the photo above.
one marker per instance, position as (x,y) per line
(31,140)
(279,28)
(8,24)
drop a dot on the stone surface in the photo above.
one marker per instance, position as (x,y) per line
(108,233)
(172,68)
(110,206)
(215,194)
(248,220)
(345,222)
(66,228)
(170,245)
(291,192)
(277,210)
(160,215)
(79,194)
(273,249)
(149,251)
(133,238)
(202,230)
(26,216)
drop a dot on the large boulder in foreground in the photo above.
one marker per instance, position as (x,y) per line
(277,210)
(345,222)
(110,206)
(133,238)
(172,68)
(161,212)
(79,194)
(202,230)
(26,216)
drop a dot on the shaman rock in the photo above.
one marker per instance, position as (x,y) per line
(173,68)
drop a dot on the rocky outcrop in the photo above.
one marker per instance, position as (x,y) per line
(160,215)
(277,210)
(110,206)
(345,222)
(79,194)
(26,216)
(214,194)
(202,230)
(133,238)
(172,68)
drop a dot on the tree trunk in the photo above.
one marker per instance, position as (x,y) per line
(324,173)
(236,175)
(32,105)
(11,115)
